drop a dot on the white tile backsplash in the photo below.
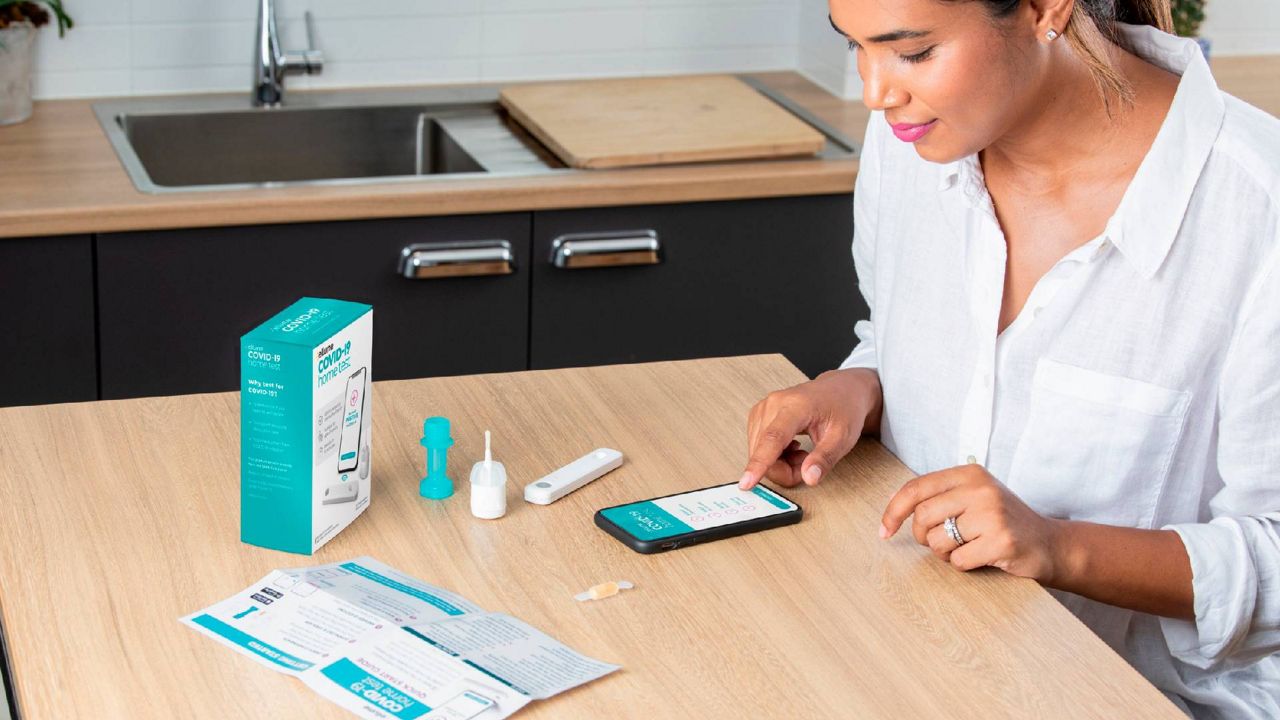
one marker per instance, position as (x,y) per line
(566,32)
(697,27)
(100,12)
(511,68)
(81,83)
(444,70)
(95,47)
(404,38)
(677,61)
(824,55)
(121,47)
(162,12)
(195,46)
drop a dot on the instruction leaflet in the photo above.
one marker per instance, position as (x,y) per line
(386,645)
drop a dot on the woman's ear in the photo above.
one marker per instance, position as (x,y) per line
(1050,18)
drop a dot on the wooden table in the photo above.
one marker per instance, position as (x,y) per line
(117,517)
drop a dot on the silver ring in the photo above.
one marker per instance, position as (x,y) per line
(950,526)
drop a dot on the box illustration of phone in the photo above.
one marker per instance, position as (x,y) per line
(352,421)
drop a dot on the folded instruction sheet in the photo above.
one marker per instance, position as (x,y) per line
(385,645)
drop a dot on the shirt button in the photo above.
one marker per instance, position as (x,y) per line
(971,460)
(1035,312)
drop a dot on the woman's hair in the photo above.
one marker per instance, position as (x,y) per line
(1092,25)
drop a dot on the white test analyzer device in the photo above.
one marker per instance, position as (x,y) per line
(552,487)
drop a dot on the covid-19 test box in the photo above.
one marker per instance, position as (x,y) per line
(305,445)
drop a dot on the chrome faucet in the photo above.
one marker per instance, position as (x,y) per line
(271,64)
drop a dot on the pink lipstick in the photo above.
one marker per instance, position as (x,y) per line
(911,132)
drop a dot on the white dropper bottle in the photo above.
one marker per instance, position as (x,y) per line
(488,486)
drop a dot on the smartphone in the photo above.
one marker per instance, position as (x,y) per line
(697,516)
(352,420)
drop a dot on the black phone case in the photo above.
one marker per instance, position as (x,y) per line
(648,547)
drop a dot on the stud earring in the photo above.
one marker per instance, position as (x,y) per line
(1051,35)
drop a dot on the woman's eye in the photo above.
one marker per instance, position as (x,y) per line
(853,45)
(920,56)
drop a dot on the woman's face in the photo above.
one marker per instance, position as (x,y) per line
(949,78)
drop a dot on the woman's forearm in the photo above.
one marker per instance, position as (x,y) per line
(1144,570)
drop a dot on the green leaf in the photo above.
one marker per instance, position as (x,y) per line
(64,20)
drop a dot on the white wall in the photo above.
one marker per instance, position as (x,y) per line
(161,46)
(121,47)
(1242,27)
(824,55)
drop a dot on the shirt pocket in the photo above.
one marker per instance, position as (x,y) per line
(1096,447)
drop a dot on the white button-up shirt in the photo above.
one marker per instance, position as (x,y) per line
(1139,386)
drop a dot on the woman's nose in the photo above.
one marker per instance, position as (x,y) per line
(879,89)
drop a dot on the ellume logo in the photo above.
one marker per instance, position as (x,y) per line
(299,321)
(647,522)
(336,360)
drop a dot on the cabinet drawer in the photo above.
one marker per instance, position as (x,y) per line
(739,277)
(46,312)
(173,304)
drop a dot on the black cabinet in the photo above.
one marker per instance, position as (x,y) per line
(46,314)
(173,304)
(633,284)
(735,278)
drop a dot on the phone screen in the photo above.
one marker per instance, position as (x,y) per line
(353,408)
(674,515)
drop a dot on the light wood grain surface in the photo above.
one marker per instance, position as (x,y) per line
(120,516)
(628,122)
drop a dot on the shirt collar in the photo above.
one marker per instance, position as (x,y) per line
(1150,212)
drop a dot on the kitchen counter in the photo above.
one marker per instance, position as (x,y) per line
(61,176)
(121,516)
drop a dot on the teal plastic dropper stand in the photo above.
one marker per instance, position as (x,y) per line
(435,438)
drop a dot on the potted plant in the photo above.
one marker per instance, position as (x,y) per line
(18,22)
(1187,16)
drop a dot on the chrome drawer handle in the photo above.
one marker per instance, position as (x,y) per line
(429,261)
(577,251)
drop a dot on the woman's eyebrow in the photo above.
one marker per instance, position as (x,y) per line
(891,36)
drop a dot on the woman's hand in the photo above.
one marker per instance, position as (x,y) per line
(998,529)
(833,409)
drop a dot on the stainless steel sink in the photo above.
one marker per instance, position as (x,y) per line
(219,142)
(222,142)
(264,147)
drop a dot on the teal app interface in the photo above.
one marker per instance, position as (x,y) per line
(712,507)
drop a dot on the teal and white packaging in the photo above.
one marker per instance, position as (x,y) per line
(305,444)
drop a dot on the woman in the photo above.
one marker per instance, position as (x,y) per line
(1069,240)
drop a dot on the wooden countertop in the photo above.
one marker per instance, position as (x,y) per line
(61,176)
(120,516)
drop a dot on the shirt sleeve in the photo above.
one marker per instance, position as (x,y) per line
(1235,557)
(866,198)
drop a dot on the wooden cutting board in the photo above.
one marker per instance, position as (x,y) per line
(656,121)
